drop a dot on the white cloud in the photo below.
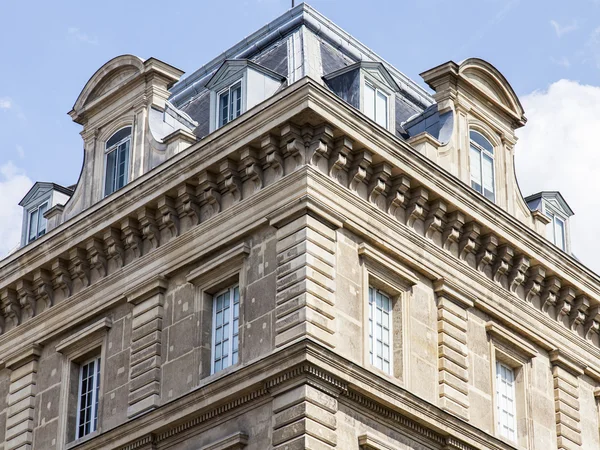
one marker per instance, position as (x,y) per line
(561,30)
(82,37)
(20,151)
(5,103)
(558,150)
(564,62)
(14,184)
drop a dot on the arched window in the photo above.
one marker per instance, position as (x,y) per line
(117,161)
(482,165)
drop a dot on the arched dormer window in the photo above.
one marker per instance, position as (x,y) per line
(481,156)
(117,161)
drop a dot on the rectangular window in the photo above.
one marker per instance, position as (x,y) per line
(482,173)
(226,313)
(89,388)
(37,223)
(505,401)
(376,105)
(380,337)
(230,103)
(555,231)
(117,163)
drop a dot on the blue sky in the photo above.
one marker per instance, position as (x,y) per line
(50,49)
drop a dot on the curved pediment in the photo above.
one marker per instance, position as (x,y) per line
(486,78)
(111,75)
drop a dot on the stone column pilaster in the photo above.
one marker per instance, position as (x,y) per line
(305,280)
(566,373)
(453,358)
(146,337)
(21,398)
(304,418)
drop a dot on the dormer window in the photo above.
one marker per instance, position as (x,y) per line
(237,86)
(37,223)
(552,205)
(117,161)
(481,156)
(369,87)
(230,103)
(555,230)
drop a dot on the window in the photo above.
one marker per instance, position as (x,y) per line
(376,105)
(117,161)
(37,223)
(89,388)
(482,165)
(226,313)
(230,103)
(555,230)
(380,337)
(505,401)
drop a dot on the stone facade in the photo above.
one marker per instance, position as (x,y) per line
(304,205)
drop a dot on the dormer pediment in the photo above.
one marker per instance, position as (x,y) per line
(550,201)
(375,70)
(40,190)
(232,69)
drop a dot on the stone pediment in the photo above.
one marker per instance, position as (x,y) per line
(231,68)
(374,69)
(41,189)
(112,81)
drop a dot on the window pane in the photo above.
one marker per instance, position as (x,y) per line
(559,233)
(481,141)
(380,336)
(236,101)
(33,223)
(369,101)
(382,109)
(224,108)
(109,181)
(505,400)
(118,137)
(89,388)
(475,157)
(488,177)
(42,220)
(550,234)
(122,163)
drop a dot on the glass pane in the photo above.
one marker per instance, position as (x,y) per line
(236,101)
(560,233)
(123,162)
(382,109)
(475,163)
(488,177)
(109,181)
(481,141)
(369,101)
(224,108)
(41,220)
(550,234)
(118,137)
(33,223)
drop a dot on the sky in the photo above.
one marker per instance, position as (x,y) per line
(548,50)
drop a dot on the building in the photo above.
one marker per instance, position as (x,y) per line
(297,247)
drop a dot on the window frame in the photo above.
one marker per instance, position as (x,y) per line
(499,410)
(30,212)
(372,320)
(378,87)
(115,147)
(95,401)
(233,334)
(220,92)
(553,216)
(483,152)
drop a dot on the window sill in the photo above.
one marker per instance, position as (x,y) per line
(80,441)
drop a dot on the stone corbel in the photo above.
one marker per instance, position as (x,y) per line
(381,174)
(454,224)
(292,143)
(187,205)
(147,220)
(550,290)
(468,240)
(591,325)
(516,276)
(42,281)
(168,215)
(61,278)
(564,304)
(114,247)
(95,251)
(233,184)
(533,286)
(417,205)
(359,171)
(26,299)
(487,251)
(502,264)
(320,142)
(398,198)
(273,159)
(579,311)
(11,309)
(342,147)
(251,169)
(208,193)
(435,218)
(132,236)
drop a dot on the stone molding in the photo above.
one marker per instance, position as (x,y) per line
(236,441)
(82,338)
(513,341)
(230,258)
(373,255)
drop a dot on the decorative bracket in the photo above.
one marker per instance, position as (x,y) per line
(579,312)
(454,224)
(251,169)
(293,143)
(468,240)
(320,143)
(132,236)
(339,157)
(26,299)
(549,292)
(435,218)
(361,164)
(42,282)
(502,263)
(147,219)
(61,276)
(209,193)
(270,146)
(535,277)
(168,215)
(11,310)
(417,205)
(381,174)
(517,274)
(398,198)
(564,304)
(592,324)
(114,247)
(233,184)
(187,206)
(487,251)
